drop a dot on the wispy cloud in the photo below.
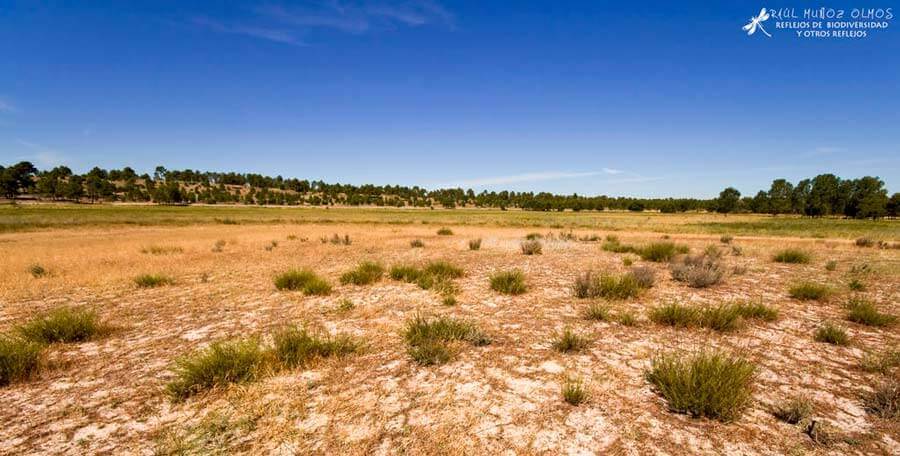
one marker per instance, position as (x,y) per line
(287,23)
(271,34)
(612,171)
(42,156)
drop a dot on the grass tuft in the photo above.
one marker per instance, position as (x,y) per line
(793,411)
(365,273)
(864,242)
(574,391)
(533,247)
(591,285)
(795,256)
(715,385)
(569,341)
(427,340)
(63,324)
(302,280)
(161,250)
(19,359)
(831,334)
(627,319)
(509,282)
(884,401)
(417,243)
(831,265)
(475,244)
(862,311)
(445,232)
(295,346)
(699,271)
(218,365)
(152,280)
(596,311)
(723,318)
(661,251)
(882,363)
(809,291)
(37,271)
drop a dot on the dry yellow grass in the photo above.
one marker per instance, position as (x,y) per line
(106,396)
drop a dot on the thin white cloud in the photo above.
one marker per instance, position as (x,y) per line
(358,17)
(612,171)
(266,33)
(42,156)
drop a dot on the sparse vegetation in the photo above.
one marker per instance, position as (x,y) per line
(644,276)
(427,340)
(531,247)
(303,280)
(596,311)
(661,251)
(63,324)
(793,411)
(726,239)
(627,261)
(831,334)
(19,359)
(674,314)
(161,250)
(795,256)
(699,271)
(882,362)
(219,246)
(591,285)
(831,265)
(475,244)
(627,319)
(723,317)
(37,271)
(448,300)
(864,242)
(568,341)
(417,243)
(218,365)
(346,305)
(809,291)
(152,280)
(366,273)
(856,285)
(534,236)
(710,384)
(864,312)
(884,401)
(445,232)
(338,240)
(295,346)
(574,391)
(509,282)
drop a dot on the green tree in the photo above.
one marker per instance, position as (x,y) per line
(780,194)
(728,200)
(18,178)
(893,205)
(869,198)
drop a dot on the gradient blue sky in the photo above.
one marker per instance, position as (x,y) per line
(595,97)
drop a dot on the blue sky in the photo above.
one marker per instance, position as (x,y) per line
(594,97)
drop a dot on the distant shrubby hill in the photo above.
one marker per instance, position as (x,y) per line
(823,195)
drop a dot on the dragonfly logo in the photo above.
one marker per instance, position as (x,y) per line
(756,23)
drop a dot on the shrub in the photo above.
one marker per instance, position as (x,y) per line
(661,251)
(534,236)
(219,364)
(37,271)
(19,359)
(831,265)
(303,280)
(796,256)
(568,341)
(722,318)
(885,400)
(856,285)
(881,362)
(864,312)
(416,243)
(710,384)
(63,324)
(864,242)
(644,276)
(627,319)
(295,346)
(152,280)
(444,232)
(726,239)
(674,314)
(574,392)
(475,244)
(698,271)
(365,273)
(509,282)
(590,285)
(793,411)
(809,291)
(427,339)
(531,247)
(832,334)
(596,311)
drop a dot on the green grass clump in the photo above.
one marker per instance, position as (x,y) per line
(443,270)
(63,324)
(793,411)
(795,256)
(533,247)
(152,280)
(726,239)
(218,365)
(37,271)
(661,251)
(295,346)
(809,291)
(302,280)
(831,334)
(445,232)
(596,311)
(574,391)
(405,273)
(674,314)
(612,244)
(755,310)
(856,285)
(449,300)
(882,363)
(627,319)
(19,359)
(862,311)
(427,340)
(416,243)
(723,317)
(436,275)
(346,305)
(569,341)
(509,282)
(884,401)
(715,385)
(365,273)
(630,285)
(475,244)
(831,265)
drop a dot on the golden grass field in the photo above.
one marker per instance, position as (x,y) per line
(106,395)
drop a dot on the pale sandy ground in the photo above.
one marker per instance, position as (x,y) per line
(105,396)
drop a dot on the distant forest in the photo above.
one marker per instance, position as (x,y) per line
(823,195)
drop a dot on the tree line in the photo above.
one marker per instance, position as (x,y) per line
(823,195)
